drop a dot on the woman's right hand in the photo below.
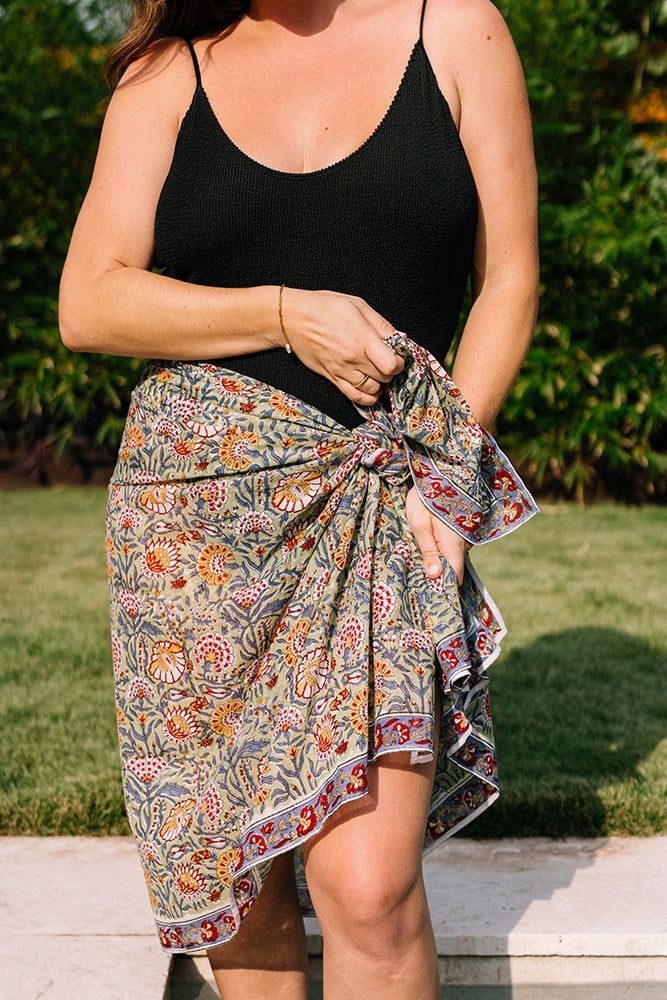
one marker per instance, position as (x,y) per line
(340,336)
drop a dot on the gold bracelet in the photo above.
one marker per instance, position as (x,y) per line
(288,347)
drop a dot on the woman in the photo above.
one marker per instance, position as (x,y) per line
(299,479)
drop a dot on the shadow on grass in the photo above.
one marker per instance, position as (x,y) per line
(579,719)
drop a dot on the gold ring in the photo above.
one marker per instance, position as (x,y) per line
(358,385)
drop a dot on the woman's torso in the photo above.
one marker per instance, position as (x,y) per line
(393,222)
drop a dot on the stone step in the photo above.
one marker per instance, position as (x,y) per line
(575,919)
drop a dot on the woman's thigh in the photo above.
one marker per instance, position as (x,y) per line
(369,853)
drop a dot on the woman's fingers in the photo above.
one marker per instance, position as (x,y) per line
(451,546)
(365,395)
(419,518)
(434,539)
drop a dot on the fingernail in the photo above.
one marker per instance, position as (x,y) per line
(433,569)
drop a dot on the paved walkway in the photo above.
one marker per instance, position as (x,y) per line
(75,922)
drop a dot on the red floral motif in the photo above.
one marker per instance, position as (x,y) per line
(358,778)
(209,931)
(460,722)
(258,842)
(307,821)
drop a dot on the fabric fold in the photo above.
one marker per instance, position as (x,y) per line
(273,629)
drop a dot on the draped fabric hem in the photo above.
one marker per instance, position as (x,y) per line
(218,925)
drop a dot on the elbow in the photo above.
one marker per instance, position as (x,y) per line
(73,328)
(68,332)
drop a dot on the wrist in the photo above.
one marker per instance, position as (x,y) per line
(269,319)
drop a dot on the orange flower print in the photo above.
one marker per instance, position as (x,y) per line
(110,550)
(212,561)
(343,547)
(227,385)
(271,626)
(167,661)
(234,446)
(185,447)
(147,879)
(133,439)
(325,735)
(294,642)
(159,498)
(180,724)
(189,880)
(359,711)
(226,718)
(312,672)
(227,863)
(430,420)
(284,404)
(178,817)
(160,557)
(296,491)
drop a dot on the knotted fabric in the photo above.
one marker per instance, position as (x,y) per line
(273,628)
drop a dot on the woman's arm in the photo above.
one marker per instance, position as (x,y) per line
(109,302)
(496,131)
(475,55)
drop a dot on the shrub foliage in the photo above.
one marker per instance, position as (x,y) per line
(587,414)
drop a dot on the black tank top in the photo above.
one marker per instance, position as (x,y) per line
(393,222)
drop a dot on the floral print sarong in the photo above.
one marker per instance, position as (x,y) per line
(273,629)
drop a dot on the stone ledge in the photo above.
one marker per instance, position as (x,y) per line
(506,911)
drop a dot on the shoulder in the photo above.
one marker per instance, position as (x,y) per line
(476,61)
(159,80)
(147,105)
(471,37)
(163,59)
(469,21)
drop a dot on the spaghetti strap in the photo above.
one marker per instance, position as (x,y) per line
(421,20)
(195,61)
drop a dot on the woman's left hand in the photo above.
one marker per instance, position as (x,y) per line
(434,538)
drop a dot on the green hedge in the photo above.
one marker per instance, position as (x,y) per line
(587,414)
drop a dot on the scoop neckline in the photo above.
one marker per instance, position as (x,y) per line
(329,167)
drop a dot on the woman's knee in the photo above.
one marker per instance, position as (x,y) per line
(371,896)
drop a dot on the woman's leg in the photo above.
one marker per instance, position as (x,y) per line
(267,958)
(365,878)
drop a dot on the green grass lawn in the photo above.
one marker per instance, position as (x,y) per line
(578,693)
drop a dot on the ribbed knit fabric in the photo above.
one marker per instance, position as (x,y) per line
(393,222)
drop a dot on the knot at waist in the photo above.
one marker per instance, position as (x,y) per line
(382,452)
